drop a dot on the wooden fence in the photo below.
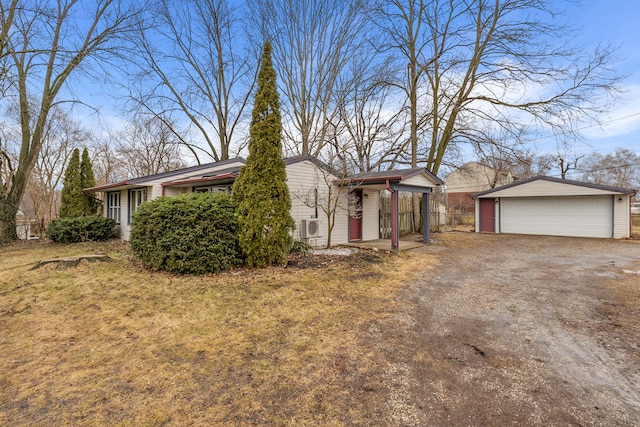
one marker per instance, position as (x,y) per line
(406,221)
(635,224)
(460,221)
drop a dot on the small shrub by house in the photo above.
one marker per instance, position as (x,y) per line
(193,233)
(81,229)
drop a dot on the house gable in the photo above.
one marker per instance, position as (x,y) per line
(472,177)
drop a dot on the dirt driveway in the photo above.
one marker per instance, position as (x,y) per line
(516,330)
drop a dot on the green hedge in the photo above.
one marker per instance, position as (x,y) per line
(81,229)
(192,233)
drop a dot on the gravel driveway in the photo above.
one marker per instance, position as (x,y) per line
(516,330)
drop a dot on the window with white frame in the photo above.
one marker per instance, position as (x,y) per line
(113,206)
(136,198)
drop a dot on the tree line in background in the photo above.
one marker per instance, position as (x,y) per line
(364,85)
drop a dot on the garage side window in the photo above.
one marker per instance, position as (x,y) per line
(113,206)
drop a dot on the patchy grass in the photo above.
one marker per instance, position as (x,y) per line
(114,344)
(458,239)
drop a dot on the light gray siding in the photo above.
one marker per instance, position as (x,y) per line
(370,214)
(543,188)
(303,178)
(622,216)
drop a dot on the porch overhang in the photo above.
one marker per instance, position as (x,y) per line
(417,180)
(202,180)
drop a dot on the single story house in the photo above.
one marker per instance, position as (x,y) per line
(316,191)
(556,207)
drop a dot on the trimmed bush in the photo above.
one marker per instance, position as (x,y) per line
(81,229)
(192,233)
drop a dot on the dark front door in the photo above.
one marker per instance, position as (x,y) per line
(487,215)
(355,215)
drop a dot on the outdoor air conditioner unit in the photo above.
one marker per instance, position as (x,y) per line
(309,228)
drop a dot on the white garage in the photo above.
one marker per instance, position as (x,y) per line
(555,207)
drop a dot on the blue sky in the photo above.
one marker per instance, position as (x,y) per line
(616,22)
(602,22)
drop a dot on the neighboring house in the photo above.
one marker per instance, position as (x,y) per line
(26,229)
(552,206)
(354,200)
(470,178)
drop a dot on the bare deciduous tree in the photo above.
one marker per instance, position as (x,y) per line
(108,167)
(620,169)
(500,64)
(147,146)
(45,44)
(197,67)
(61,135)
(313,41)
(369,132)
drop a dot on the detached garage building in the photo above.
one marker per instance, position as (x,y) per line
(555,207)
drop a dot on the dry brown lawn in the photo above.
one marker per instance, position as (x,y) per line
(110,343)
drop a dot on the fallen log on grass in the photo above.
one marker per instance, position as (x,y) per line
(73,261)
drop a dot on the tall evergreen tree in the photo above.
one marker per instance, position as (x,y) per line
(88,180)
(72,204)
(260,193)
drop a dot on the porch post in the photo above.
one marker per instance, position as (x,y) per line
(395,219)
(426,226)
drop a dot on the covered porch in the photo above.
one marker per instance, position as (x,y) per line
(417,180)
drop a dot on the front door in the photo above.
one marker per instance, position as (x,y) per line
(355,215)
(487,215)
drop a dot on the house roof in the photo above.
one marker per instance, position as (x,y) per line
(144,179)
(581,184)
(228,174)
(380,177)
(190,175)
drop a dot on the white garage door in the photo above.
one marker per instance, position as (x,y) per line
(586,216)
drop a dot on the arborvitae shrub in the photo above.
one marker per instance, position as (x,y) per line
(89,204)
(189,234)
(72,200)
(260,193)
(81,229)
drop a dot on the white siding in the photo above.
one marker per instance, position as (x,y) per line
(303,178)
(622,217)
(154,189)
(370,214)
(547,188)
(340,234)
(125,228)
(419,181)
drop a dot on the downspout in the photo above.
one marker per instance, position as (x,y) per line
(394,217)
(631,213)
(613,216)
